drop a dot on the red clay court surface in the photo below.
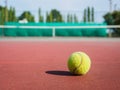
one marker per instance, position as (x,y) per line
(42,65)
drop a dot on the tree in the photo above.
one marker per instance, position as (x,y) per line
(14,18)
(5,13)
(113,19)
(109,19)
(92,15)
(68,18)
(75,19)
(51,18)
(85,16)
(71,18)
(27,15)
(2,16)
(88,14)
(47,17)
(54,16)
(41,19)
(116,17)
(11,15)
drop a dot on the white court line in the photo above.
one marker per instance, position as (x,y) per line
(57,39)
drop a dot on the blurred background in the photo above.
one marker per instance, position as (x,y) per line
(55,13)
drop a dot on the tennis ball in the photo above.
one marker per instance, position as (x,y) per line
(79,63)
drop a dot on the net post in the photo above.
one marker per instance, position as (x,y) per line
(53,32)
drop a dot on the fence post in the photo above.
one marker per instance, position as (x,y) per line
(53,32)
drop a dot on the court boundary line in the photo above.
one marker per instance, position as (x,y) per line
(59,39)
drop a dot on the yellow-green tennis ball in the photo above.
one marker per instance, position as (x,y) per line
(79,63)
